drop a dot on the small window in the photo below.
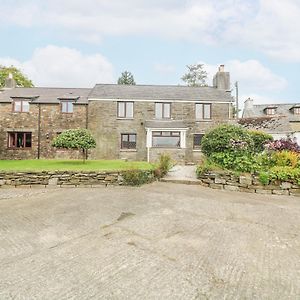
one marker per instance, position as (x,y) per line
(19,140)
(197,140)
(67,107)
(271,111)
(166,139)
(125,110)
(162,110)
(296,110)
(128,141)
(21,106)
(203,111)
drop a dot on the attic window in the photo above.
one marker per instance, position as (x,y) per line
(271,110)
(21,105)
(296,110)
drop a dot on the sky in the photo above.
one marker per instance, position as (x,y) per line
(76,43)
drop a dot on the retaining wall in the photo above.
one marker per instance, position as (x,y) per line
(247,183)
(61,178)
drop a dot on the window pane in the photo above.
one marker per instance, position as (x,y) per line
(124,137)
(17,106)
(165,133)
(129,109)
(132,138)
(20,140)
(11,140)
(199,111)
(121,109)
(197,140)
(158,110)
(207,114)
(70,107)
(28,140)
(64,107)
(167,110)
(25,107)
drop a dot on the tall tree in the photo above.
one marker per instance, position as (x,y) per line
(196,75)
(126,78)
(20,78)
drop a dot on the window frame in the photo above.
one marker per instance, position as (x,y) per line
(162,134)
(22,109)
(197,147)
(68,102)
(203,111)
(125,109)
(296,110)
(271,109)
(163,110)
(128,140)
(15,133)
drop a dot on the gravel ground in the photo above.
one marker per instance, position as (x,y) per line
(160,241)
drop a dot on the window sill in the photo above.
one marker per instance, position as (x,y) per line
(128,150)
(27,148)
(169,148)
(125,118)
(197,150)
(203,120)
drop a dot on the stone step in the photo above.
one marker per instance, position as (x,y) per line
(181,181)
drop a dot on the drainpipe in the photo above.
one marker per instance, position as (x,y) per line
(86,124)
(148,143)
(39,132)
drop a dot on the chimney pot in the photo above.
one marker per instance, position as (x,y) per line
(222,68)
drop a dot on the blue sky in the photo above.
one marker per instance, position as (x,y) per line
(79,43)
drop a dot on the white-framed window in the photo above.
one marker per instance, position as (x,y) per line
(271,111)
(162,110)
(166,139)
(296,110)
(21,105)
(125,109)
(67,106)
(203,111)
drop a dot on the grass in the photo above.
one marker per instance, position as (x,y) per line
(71,165)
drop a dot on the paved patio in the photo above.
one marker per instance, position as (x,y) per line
(160,241)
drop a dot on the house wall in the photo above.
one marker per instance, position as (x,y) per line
(107,129)
(52,121)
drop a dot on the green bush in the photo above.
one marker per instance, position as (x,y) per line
(259,138)
(227,138)
(286,158)
(164,165)
(137,177)
(264,178)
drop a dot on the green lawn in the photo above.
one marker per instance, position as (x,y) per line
(70,165)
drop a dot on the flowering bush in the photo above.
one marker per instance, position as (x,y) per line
(283,144)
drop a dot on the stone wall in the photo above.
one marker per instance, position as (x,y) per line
(52,122)
(64,178)
(246,183)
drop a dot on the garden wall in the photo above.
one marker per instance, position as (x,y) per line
(65,178)
(247,183)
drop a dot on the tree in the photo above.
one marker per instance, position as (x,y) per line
(196,75)
(126,78)
(19,77)
(80,139)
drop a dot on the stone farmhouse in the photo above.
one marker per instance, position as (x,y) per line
(135,122)
(279,120)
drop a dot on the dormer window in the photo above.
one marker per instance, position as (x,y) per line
(271,111)
(67,106)
(21,105)
(296,110)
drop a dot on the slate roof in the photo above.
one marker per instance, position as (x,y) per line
(46,95)
(159,92)
(165,124)
(285,109)
(270,124)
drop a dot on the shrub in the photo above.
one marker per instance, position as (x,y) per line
(286,158)
(264,178)
(227,138)
(285,174)
(283,144)
(206,166)
(164,165)
(137,177)
(260,138)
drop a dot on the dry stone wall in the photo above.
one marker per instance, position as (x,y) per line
(247,183)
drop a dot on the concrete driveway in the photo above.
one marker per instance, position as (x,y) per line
(160,241)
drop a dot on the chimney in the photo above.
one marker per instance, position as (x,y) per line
(10,82)
(222,79)
(248,111)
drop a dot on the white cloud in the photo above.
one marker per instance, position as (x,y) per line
(251,75)
(269,26)
(64,67)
